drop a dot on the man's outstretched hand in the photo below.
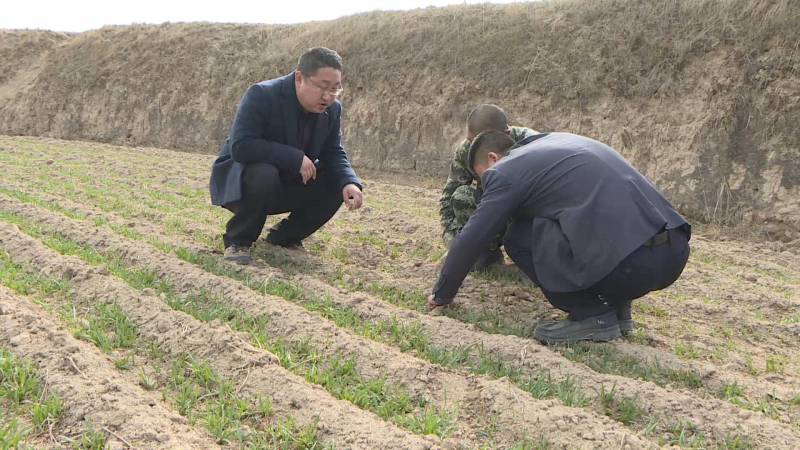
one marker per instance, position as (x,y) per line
(432,305)
(353,197)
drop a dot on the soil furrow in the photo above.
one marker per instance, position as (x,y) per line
(178,333)
(513,410)
(772,337)
(710,415)
(93,392)
(732,317)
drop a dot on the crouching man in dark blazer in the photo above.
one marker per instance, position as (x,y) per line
(284,154)
(587,228)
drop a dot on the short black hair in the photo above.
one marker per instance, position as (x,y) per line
(489,141)
(317,58)
(487,117)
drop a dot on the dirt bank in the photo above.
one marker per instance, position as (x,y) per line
(702,96)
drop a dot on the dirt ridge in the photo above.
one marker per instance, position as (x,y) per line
(89,386)
(514,408)
(228,353)
(518,351)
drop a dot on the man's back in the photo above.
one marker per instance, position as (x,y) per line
(589,207)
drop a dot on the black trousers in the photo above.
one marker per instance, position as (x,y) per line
(266,192)
(648,268)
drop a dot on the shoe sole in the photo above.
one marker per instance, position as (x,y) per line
(596,335)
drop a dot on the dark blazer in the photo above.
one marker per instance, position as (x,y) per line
(588,209)
(265,130)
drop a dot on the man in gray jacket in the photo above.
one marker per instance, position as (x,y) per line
(587,228)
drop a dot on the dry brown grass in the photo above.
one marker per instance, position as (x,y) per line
(702,96)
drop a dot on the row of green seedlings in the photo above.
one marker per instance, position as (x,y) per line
(108,200)
(599,357)
(96,187)
(603,358)
(28,411)
(189,384)
(161,201)
(488,321)
(412,338)
(173,200)
(340,378)
(541,386)
(337,375)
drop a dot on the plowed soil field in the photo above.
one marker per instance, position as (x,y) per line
(121,325)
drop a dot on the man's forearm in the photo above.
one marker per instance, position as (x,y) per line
(489,219)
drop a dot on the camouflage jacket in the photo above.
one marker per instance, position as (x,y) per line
(461,174)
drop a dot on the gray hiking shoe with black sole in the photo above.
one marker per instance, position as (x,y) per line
(598,328)
(238,254)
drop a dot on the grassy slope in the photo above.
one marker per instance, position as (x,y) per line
(701,95)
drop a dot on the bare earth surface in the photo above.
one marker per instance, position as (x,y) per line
(336,336)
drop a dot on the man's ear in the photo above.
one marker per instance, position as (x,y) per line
(492,157)
(298,77)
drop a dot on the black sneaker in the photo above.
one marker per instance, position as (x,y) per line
(624,317)
(598,328)
(487,260)
(238,254)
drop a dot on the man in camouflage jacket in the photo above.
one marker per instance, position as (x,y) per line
(459,197)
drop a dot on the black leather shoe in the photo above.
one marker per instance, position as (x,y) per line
(598,328)
(624,317)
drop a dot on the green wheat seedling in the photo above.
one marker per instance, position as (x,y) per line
(109,329)
(531,444)
(775,364)
(91,439)
(11,433)
(431,421)
(605,358)
(207,398)
(146,381)
(22,393)
(685,435)
(566,390)
(625,409)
